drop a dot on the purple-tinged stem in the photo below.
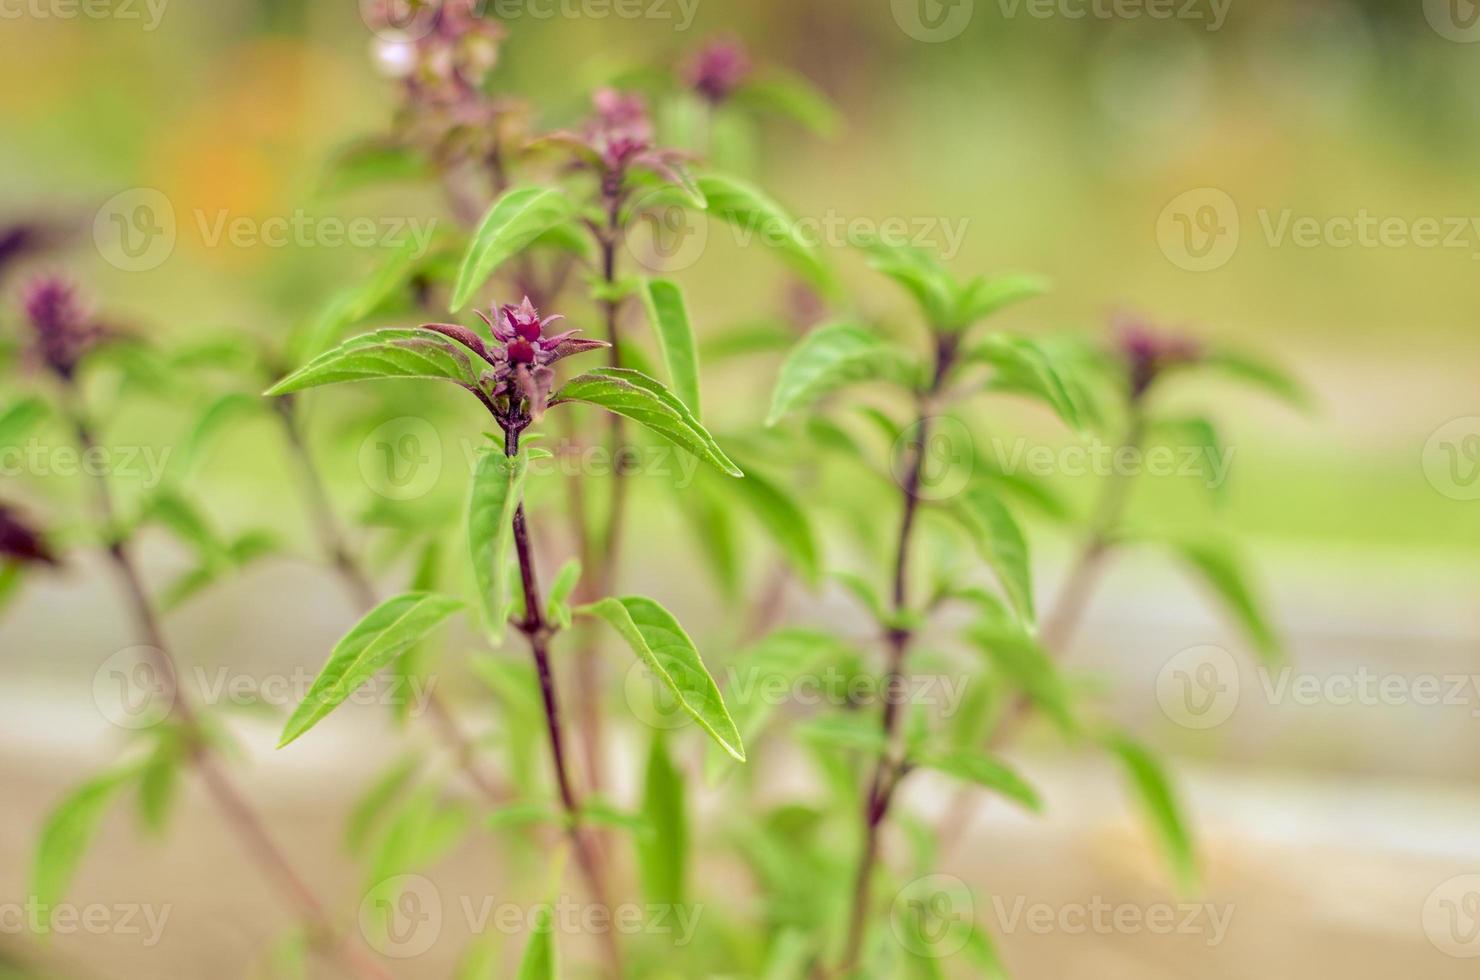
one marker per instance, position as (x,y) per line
(233,804)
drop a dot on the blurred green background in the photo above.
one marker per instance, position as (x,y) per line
(1061,146)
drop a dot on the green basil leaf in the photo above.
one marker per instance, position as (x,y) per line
(983,297)
(790,95)
(638,397)
(670,318)
(396,352)
(786,522)
(19,419)
(557,607)
(663,855)
(983,770)
(829,357)
(1221,570)
(1153,788)
(67,832)
(372,807)
(661,643)
(1020,659)
(919,272)
(999,540)
(1261,374)
(1025,367)
(385,632)
(516,219)
(757,215)
(540,961)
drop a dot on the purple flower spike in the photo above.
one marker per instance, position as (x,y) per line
(718,69)
(522,353)
(64,327)
(617,137)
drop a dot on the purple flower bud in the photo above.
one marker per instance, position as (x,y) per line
(520,352)
(63,326)
(1147,352)
(717,69)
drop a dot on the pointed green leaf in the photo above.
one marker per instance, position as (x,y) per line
(999,540)
(1220,569)
(661,643)
(983,770)
(498,487)
(670,319)
(159,778)
(1198,433)
(1019,658)
(480,961)
(396,352)
(853,732)
(983,297)
(1261,374)
(774,662)
(662,856)
(373,807)
(214,420)
(1025,367)
(757,215)
(1153,788)
(638,397)
(19,419)
(539,962)
(831,356)
(385,632)
(517,218)
(369,162)
(786,522)
(794,97)
(557,607)
(173,511)
(67,832)
(984,952)
(919,272)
